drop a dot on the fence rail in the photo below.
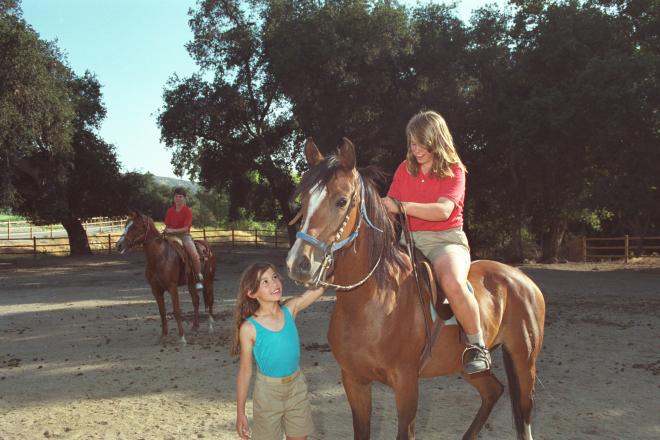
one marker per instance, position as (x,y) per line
(21,229)
(105,243)
(594,248)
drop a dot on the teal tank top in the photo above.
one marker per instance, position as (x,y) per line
(277,353)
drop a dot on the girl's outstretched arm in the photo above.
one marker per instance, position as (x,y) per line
(247,336)
(301,302)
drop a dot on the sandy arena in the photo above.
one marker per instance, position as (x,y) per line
(80,358)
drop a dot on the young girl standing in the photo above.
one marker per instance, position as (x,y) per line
(265,329)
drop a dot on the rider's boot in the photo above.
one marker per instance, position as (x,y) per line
(476,359)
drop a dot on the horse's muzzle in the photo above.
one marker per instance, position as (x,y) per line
(300,269)
(121,248)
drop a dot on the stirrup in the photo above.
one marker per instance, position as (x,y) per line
(480,361)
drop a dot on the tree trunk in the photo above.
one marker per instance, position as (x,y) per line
(78,242)
(282,187)
(552,240)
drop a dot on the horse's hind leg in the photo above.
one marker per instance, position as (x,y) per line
(195,300)
(490,389)
(358,393)
(521,374)
(208,289)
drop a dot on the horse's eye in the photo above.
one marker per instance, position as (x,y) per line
(342,202)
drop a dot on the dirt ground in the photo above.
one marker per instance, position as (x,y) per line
(80,358)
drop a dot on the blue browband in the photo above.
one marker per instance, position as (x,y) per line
(328,247)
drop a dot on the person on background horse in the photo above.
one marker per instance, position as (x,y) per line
(178,221)
(430,184)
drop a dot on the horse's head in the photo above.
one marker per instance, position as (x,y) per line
(135,231)
(329,194)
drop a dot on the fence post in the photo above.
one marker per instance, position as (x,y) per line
(8,222)
(626,243)
(204,233)
(584,248)
(232,238)
(34,246)
(109,245)
(51,231)
(275,238)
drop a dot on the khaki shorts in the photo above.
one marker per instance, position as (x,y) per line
(279,406)
(436,243)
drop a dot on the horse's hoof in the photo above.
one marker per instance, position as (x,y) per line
(210,327)
(183,341)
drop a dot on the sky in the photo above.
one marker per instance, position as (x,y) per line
(133,47)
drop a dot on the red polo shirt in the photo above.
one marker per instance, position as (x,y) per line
(181,219)
(425,189)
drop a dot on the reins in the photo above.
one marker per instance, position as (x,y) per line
(410,247)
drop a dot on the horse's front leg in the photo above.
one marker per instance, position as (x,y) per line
(159,295)
(406,394)
(358,393)
(177,313)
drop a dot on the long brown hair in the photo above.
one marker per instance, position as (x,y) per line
(430,130)
(246,306)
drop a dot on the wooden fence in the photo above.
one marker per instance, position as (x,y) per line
(105,243)
(596,248)
(20,229)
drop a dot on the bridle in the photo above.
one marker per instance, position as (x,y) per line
(138,241)
(337,243)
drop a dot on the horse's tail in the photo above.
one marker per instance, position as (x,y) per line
(520,352)
(514,391)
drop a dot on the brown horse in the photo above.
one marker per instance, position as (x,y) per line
(377,329)
(164,270)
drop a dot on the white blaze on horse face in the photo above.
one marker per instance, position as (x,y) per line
(316,196)
(123,235)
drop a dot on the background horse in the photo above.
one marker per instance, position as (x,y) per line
(377,328)
(165,272)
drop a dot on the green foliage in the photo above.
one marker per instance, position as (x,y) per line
(35,112)
(8,216)
(226,128)
(142,192)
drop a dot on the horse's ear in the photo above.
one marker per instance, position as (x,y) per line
(312,153)
(347,154)
(134,213)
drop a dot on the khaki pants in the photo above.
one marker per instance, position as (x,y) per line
(436,243)
(281,405)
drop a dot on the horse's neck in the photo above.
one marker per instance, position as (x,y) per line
(153,247)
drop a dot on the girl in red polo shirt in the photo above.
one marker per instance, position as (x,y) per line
(430,183)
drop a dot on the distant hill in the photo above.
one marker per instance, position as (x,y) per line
(173,182)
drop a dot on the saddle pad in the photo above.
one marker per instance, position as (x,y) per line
(173,239)
(452,320)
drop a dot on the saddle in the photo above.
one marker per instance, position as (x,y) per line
(186,274)
(438,297)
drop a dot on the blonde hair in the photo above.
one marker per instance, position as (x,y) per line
(245,305)
(431,131)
